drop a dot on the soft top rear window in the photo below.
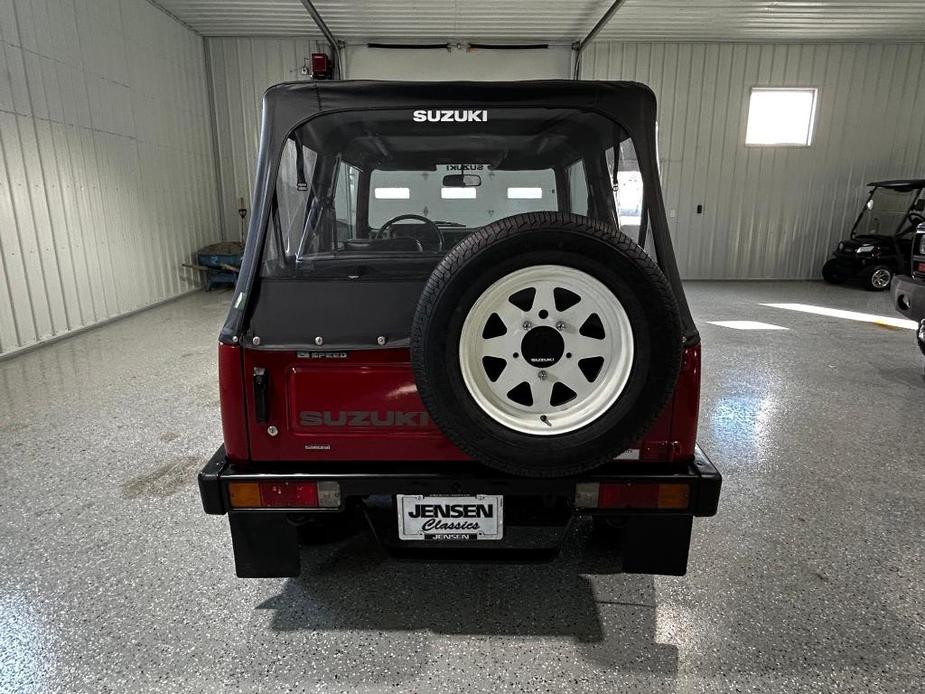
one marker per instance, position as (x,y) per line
(388,192)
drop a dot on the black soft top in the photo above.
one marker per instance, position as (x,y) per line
(289,104)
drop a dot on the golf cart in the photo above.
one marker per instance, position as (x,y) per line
(880,244)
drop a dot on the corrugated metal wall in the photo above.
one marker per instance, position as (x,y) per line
(772,212)
(241,70)
(768,212)
(107,178)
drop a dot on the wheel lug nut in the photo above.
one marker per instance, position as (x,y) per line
(560,325)
(541,375)
(527,325)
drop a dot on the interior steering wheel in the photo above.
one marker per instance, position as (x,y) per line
(432,228)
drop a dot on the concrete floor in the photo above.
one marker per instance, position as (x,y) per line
(811,578)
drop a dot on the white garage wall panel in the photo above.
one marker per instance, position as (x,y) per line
(772,212)
(241,71)
(107,178)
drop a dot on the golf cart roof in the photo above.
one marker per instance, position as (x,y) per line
(902,185)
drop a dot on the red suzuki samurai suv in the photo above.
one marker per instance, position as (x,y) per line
(459,315)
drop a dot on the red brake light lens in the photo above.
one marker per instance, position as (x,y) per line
(627,496)
(289,494)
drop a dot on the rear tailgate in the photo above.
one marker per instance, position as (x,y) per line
(359,405)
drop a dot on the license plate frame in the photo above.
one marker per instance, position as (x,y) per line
(450,517)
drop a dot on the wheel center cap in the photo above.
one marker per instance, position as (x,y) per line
(542,346)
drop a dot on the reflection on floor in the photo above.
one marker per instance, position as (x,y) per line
(891,321)
(746,325)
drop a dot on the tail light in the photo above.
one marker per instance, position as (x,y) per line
(296,494)
(633,495)
(231,397)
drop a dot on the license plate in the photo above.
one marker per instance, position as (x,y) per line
(478,517)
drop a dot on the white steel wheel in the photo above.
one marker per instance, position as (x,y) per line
(546,350)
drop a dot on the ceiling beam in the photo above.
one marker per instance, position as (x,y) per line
(579,46)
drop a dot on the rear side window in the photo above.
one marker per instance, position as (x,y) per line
(629,194)
(291,202)
(577,188)
(345,201)
(627,187)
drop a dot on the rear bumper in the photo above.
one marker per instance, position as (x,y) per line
(360,480)
(909,296)
(909,300)
(538,512)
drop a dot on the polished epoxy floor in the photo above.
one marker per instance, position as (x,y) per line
(811,578)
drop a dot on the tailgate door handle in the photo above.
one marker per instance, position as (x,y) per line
(261,394)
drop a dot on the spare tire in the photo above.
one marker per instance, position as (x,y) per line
(545,344)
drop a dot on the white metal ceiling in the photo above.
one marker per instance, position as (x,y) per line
(563,20)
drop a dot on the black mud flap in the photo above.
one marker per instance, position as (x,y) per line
(266,545)
(657,544)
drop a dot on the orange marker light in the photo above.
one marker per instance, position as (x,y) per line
(676,496)
(244,494)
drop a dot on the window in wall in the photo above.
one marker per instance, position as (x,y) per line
(781,116)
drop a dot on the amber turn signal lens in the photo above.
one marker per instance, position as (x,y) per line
(676,496)
(244,494)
